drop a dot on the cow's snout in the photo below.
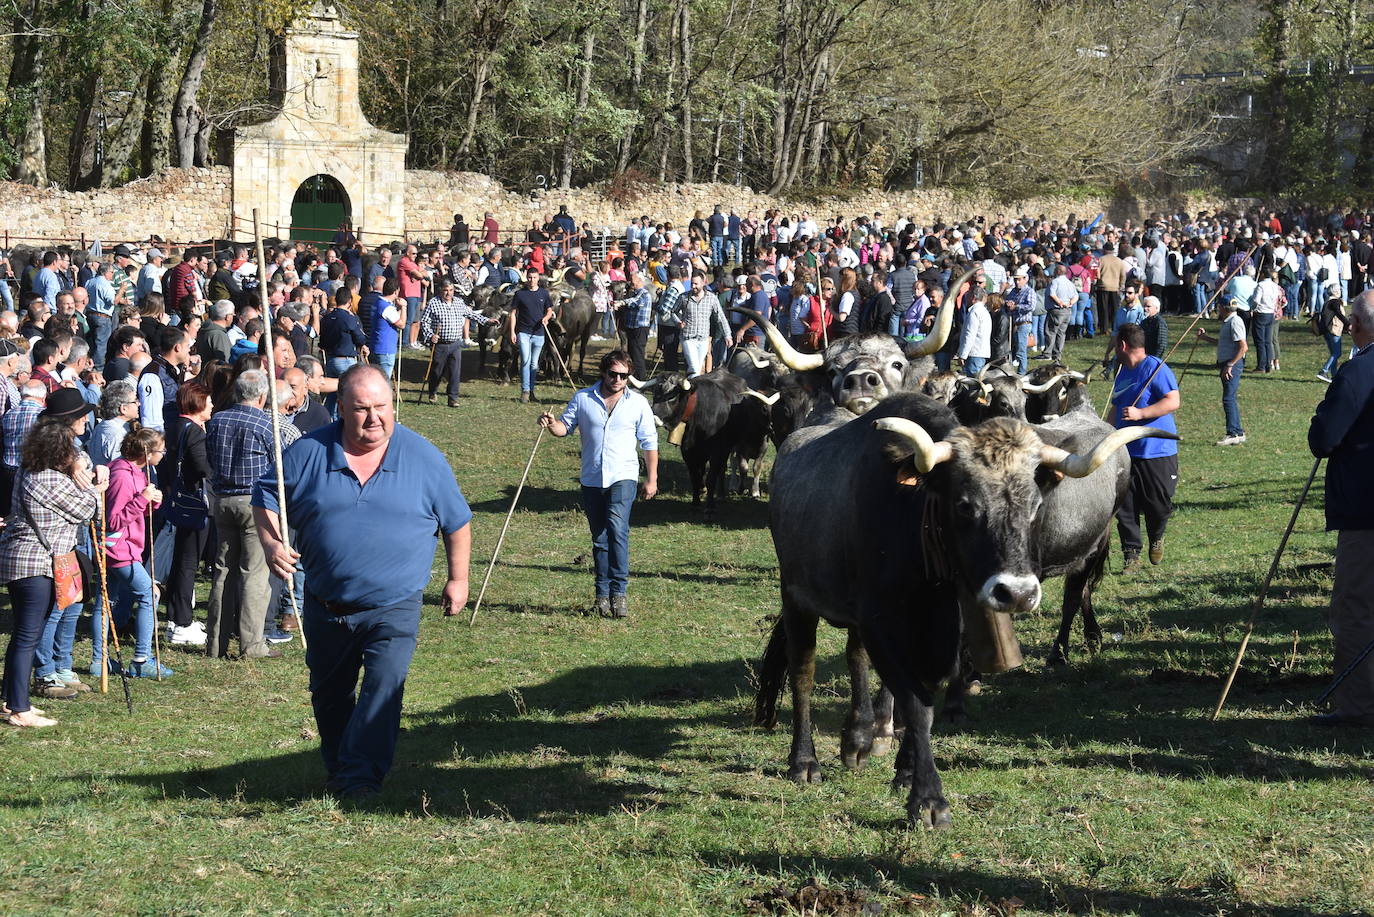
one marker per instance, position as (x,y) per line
(862,390)
(1010,592)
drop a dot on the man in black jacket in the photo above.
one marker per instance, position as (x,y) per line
(1342,431)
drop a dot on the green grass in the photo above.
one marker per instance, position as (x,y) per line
(555,763)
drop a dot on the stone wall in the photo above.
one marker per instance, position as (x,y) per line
(193,204)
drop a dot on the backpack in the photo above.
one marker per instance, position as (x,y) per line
(1286,275)
(1323,275)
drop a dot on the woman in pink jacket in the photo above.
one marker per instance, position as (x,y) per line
(126,514)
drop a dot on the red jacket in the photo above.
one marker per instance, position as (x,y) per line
(182,284)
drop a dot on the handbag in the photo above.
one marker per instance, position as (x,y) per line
(187,508)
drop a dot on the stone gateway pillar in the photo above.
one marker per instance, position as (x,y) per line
(319,156)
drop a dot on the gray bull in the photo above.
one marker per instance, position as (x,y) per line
(929,533)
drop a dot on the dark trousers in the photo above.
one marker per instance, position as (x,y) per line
(7,476)
(1108,301)
(448,359)
(669,341)
(181,576)
(637,339)
(1151,494)
(358,726)
(32,599)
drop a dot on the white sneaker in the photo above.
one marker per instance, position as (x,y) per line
(1231,440)
(194,635)
(1324,377)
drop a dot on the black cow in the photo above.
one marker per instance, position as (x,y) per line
(929,533)
(711,417)
(577,319)
(494,304)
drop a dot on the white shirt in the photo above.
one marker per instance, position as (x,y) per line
(609,438)
(1333,272)
(848,257)
(784,233)
(1265,300)
(976,338)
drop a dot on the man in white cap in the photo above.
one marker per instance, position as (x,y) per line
(1022,298)
(150,278)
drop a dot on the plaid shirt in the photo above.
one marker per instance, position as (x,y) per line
(16,425)
(696,315)
(58,507)
(464,278)
(238,443)
(667,307)
(444,319)
(637,308)
(9,395)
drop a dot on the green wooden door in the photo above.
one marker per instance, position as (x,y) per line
(321,203)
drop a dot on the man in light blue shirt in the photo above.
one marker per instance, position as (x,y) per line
(45,283)
(613,421)
(100,309)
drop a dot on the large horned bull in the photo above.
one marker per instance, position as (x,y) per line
(858,371)
(928,537)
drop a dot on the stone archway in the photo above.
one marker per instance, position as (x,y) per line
(320,204)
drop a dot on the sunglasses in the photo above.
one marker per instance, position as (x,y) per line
(612,374)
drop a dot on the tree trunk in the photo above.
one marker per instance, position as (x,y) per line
(1277,128)
(81,153)
(120,153)
(26,77)
(584,91)
(780,87)
(715,149)
(636,79)
(670,95)
(685,39)
(479,91)
(187,117)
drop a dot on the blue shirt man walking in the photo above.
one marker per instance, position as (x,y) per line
(366,498)
(613,420)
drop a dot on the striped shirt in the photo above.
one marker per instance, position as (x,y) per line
(696,316)
(667,307)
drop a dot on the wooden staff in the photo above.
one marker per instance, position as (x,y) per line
(152,580)
(434,345)
(548,339)
(1264,589)
(104,607)
(502,538)
(276,425)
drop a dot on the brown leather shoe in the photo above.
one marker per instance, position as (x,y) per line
(270,654)
(1157,551)
(290,624)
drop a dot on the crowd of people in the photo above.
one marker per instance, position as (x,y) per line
(135,417)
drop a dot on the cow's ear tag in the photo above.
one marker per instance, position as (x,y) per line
(907,476)
(1058,475)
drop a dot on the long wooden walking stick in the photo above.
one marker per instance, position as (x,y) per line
(1354,664)
(502,538)
(152,581)
(104,610)
(1264,589)
(108,634)
(420,393)
(285,531)
(567,374)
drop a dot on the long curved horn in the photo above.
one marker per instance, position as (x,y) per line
(636,384)
(758,363)
(1075,465)
(944,321)
(1043,387)
(1075,374)
(686,385)
(769,400)
(927,452)
(800,362)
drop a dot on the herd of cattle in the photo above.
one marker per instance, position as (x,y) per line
(916,509)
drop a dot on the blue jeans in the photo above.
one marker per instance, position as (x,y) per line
(334,367)
(1230,388)
(1083,314)
(412,311)
(717,250)
(894,323)
(1314,294)
(102,326)
(358,726)
(1038,329)
(131,592)
(974,365)
(1200,296)
(7,295)
(1020,344)
(1261,326)
(1294,292)
(385,361)
(54,653)
(530,347)
(32,600)
(608,517)
(943,360)
(607,324)
(1333,347)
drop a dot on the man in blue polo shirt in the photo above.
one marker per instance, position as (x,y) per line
(1145,393)
(613,420)
(361,476)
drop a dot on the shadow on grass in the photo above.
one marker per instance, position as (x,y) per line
(731,512)
(569,734)
(992,888)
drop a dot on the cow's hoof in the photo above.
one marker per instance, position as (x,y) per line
(1093,641)
(854,759)
(932,815)
(882,745)
(1057,656)
(806,772)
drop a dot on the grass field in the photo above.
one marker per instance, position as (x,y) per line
(555,763)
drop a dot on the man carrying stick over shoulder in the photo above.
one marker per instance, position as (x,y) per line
(364,475)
